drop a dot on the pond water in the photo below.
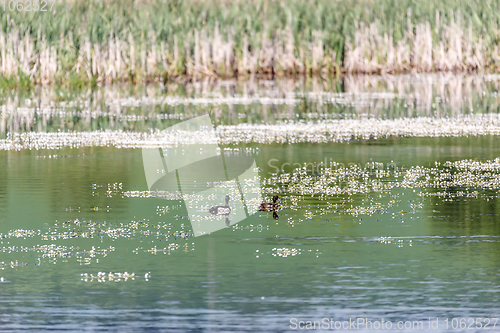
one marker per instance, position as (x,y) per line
(400,229)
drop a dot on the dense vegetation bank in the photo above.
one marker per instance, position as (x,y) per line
(82,42)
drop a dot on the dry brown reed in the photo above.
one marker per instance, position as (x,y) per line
(453,50)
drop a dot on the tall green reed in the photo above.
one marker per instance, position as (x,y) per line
(107,41)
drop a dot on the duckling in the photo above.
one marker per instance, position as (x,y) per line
(270,207)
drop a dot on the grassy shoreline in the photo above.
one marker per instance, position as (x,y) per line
(98,42)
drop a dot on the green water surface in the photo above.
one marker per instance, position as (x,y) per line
(64,218)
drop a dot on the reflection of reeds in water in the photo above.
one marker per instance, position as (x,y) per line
(250,101)
(321,37)
(429,95)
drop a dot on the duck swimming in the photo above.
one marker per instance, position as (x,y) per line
(270,207)
(222,210)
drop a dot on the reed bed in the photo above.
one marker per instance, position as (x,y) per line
(110,41)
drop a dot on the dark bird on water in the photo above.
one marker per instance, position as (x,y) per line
(270,207)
